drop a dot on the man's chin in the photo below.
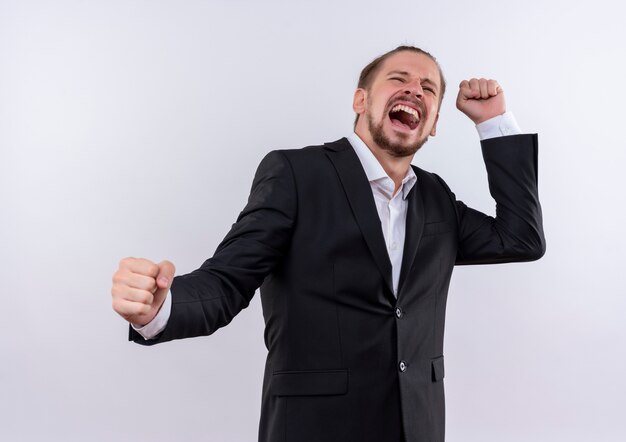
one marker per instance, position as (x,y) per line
(399,146)
(397,142)
(401,151)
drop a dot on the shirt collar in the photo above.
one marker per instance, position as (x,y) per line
(373,169)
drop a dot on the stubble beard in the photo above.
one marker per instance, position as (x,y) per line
(397,149)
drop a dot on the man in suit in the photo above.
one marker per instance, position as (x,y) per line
(353,248)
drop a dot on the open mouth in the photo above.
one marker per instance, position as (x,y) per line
(404,116)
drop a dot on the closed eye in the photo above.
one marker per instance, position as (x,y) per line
(430,87)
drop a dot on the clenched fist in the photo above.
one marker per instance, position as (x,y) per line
(480,99)
(139,288)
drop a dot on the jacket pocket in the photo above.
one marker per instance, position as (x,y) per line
(437,369)
(437,228)
(310,383)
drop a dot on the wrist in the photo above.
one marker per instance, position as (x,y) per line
(498,126)
(482,118)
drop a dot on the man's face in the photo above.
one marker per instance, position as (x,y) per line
(400,108)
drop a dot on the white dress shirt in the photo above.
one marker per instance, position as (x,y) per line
(391,208)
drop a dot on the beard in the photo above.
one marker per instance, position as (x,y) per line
(396,149)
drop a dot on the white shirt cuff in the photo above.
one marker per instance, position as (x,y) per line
(156,326)
(499,126)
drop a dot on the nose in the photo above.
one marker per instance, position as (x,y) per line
(414,88)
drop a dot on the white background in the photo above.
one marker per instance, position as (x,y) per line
(133,128)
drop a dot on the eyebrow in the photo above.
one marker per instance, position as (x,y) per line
(406,74)
(398,73)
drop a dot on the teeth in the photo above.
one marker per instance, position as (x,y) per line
(407,109)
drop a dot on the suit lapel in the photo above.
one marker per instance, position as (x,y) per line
(414,229)
(359,194)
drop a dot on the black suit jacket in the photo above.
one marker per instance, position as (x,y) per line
(347,361)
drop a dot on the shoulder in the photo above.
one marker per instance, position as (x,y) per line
(310,157)
(300,163)
(430,179)
(318,150)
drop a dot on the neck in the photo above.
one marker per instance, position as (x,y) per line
(395,167)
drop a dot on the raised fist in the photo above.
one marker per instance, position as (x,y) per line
(480,99)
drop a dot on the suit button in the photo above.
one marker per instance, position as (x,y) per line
(402,366)
(399,312)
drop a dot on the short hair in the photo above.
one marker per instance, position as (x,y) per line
(369,72)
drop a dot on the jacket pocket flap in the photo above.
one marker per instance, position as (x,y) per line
(437,228)
(438,371)
(310,383)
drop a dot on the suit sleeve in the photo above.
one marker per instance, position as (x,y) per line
(208,298)
(516,232)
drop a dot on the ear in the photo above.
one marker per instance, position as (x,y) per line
(359,100)
(433,131)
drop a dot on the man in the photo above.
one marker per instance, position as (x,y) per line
(353,249)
